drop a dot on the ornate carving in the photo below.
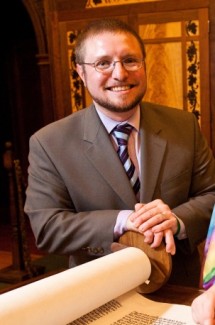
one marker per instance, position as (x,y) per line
(193,68)
(77,96)
(105,3)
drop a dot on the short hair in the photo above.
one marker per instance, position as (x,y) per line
(97,27)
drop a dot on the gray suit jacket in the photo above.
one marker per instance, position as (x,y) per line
(77,184)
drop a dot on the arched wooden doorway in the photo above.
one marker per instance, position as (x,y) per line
(24,101)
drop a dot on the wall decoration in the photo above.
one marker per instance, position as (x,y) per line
(193,93)
(105,3)
(77,96)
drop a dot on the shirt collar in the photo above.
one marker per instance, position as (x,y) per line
(110,124)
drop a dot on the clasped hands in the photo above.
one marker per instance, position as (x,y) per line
(156,222)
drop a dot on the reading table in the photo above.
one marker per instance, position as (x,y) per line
(175,294)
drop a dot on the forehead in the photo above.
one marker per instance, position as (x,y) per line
(112,44)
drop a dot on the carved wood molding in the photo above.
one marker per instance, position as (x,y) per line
(36,12)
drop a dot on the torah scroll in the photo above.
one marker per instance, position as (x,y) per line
(66,296)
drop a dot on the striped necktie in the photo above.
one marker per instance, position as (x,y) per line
(121,133)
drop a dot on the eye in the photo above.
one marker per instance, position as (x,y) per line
(103,64)
(130,61)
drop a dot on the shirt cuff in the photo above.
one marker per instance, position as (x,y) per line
(120,226)
(182,232)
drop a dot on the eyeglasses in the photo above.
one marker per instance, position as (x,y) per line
(106,66)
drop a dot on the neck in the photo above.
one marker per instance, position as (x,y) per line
(117,116)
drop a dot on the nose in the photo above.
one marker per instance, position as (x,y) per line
(119,72)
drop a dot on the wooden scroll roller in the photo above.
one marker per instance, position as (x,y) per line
(161,261)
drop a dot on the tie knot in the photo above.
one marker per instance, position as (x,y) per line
(124,128)
(122,132)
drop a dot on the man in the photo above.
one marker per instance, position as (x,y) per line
(79,196)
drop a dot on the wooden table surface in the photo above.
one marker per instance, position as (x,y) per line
(175,294)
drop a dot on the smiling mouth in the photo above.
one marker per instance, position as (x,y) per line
(119,88)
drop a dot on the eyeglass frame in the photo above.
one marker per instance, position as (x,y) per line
(112,65)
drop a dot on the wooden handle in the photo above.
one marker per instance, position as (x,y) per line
(161,261)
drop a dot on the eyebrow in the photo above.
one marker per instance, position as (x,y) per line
(103,57)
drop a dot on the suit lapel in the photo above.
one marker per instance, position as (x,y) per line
(152,152)
(100,152)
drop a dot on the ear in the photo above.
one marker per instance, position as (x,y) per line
(81,73)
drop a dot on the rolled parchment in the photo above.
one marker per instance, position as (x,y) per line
(68,295)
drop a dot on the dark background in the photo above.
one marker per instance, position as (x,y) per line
(20,99)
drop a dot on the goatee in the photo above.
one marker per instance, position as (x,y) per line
(125,107)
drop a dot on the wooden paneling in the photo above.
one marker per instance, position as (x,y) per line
(212,71)
(63,16)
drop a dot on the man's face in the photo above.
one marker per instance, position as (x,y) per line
(119,90)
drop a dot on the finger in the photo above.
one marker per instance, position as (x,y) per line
(138,212)
(157,204)
(168,221)
(157,223)
(148,236)
(138,206)
(152,214)
(157,240)
(148,210)
(162,226)
(170,242)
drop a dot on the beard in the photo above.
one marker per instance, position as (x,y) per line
(124,107)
